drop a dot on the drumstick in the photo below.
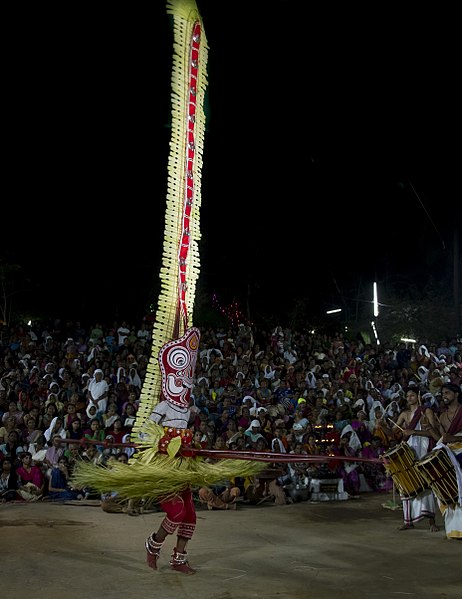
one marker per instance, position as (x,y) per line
(397,425)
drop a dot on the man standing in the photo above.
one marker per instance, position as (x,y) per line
(417,423)
(98,391)
(449,436)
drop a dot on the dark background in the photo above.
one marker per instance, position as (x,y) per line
(330,157)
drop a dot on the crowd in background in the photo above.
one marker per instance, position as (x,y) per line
(255,390)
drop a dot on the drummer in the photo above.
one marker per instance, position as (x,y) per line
(449,433)
(414,425)
(450,421)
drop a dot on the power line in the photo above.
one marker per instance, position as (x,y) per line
(427,213)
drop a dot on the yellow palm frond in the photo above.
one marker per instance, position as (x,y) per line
(188,70)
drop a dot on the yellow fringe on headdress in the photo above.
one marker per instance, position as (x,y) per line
(185,16)
(151,475)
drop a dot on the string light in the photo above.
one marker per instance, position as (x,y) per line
(231,312)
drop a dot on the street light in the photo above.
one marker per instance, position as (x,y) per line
(376,300)
(376,312)
(375,332)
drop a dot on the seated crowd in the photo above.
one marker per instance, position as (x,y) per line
(281,391)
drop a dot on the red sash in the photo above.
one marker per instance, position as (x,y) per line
(456,424)
(415,420)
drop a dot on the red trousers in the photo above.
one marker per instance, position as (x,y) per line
(180,514)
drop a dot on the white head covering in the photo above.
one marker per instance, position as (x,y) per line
(254,436)
(359,403)
(120,374)
(423,373)
(372,418)
(249,398)
(423,350)
(354,442)
(429,399)
(49,432)
(310,380)
(134,377)
(269,374)
(391,407)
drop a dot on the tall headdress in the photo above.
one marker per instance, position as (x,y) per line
(154,474)
(180,260)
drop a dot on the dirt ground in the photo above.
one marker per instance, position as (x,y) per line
(321,550)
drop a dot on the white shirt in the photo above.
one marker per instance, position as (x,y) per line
(122,333)
(97,389)
(166,413)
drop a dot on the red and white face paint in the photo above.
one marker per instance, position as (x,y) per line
(177,362)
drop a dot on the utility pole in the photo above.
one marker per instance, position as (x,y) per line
(456,280)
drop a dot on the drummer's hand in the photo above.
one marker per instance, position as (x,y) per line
(408,432)
(446,438)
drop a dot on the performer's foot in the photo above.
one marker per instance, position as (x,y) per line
(180,563)
(406,527)
(434,528)
(152,552)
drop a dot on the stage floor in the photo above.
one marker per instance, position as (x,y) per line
(322,550)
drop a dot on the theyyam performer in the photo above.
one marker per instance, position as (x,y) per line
(162,470)
(165,468)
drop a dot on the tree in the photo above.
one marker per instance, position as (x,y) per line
(8,289)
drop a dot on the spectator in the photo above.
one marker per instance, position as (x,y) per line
(31,480)
(12,448)
(220,497)
(53,453)
(129,416)
(56,428)
(96,432)
(253,433)
(15,412)
(51,412)
(9,425)
(30,433)
(122,333)
(98,391)
(59,488)
(109,416)
(8,481)
(76,431)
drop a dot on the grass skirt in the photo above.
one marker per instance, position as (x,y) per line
(153,476)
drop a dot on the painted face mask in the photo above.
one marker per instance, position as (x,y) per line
(177,362)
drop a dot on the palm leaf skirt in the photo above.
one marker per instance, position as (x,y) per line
(154,476)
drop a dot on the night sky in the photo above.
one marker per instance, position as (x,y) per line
(328,157)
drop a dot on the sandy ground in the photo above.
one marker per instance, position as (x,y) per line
(321,550)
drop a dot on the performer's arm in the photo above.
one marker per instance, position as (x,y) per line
(158,413)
